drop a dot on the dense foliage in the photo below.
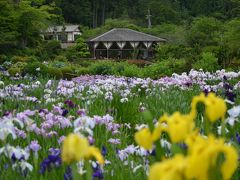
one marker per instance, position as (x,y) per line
(200,34)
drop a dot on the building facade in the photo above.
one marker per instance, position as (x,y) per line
(123,43)
(67,34)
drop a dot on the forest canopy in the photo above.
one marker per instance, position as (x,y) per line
(194,29)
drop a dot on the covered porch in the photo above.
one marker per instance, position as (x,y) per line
(123,44)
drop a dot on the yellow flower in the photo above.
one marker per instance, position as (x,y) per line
(193,138)
(74,148)
(179,126)
(170,169)
(215,107)
(156,133)
(144,138)
(231,162)
(93,151)
(195,101)
(204,153)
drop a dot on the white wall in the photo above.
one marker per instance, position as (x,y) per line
(70,37)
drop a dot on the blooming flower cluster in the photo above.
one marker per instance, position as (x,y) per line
(86,127)
(203,149)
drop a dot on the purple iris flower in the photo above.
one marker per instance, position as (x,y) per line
(53,160)
(153,153)
(188,84)
(227,86)
(69,103)
(7,113)
(206,91)
(64,112)
(41,111)
(55,151)
(238,138)
(81,112)
(14,158)
(45,165)
(230,96)
(97,173)
(224,78)
(34,146)
(104,151)
(68,173)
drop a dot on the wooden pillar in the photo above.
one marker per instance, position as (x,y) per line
(107,45)
(95,45)
(94,53)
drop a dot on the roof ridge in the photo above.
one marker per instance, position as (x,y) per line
(103,34)
(147,34)
(120,30)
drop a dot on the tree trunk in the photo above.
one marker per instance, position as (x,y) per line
(103,12)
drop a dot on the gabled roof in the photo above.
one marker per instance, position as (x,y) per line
(68,28)
(124,34)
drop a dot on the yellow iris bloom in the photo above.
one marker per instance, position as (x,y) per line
(203,154)
(215,107)
(144,138)
(170,169)
(179,126)
(94,152)
(76,148)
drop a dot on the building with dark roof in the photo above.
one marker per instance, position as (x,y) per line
(124,43)
(67,34)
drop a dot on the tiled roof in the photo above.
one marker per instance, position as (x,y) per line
(124,34)
(69,28)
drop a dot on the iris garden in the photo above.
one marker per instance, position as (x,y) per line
(106,127)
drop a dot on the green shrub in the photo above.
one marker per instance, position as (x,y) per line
(82,71)
(207,62)
(16,59)
(156,70)
(60,58)
(80,50)
(52,47)
(132,71)
(58,64)
(119,69)
(3,58)
(67,72)
(165,68)
(84,63)
(164,51)
(103,68)
(6,65)
(14,70)
(19,65)
(35,68)
(48,50)
(32,59)
(54,73)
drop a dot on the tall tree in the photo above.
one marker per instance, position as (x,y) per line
(8,32)
(204,31)
(30,20)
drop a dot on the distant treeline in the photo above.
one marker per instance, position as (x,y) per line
(202,33)
(93,13)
